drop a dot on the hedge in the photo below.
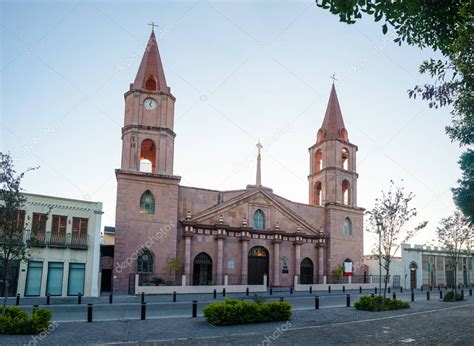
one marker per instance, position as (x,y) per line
(453,296)
(17,321)
(369,303)
(233,311)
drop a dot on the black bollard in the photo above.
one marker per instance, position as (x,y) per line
(401,289)
(360,289)
(394,295)
(348,300)
(470,291)
(79,298)
(174,297)
(343,288)
(282,299)
(316,302)
(215,293)
(48,299)
(223,292)
(17,299)
(412,296)
(291,290)
(421,288)
(388,289)
(89,312)
(195,308)
(247,291)
(271,291)
(462,294)
(143,311)
(375,290)
(111,298)
(310,289)
(440,294)
(142,297)
(329,289)
(427,295)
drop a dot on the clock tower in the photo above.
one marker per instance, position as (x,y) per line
(147,190)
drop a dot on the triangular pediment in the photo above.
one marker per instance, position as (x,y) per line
(235,210)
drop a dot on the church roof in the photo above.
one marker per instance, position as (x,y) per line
(333,124)
(151,67)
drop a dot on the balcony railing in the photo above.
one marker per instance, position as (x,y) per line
(36,239)
(57,240)
(78,241)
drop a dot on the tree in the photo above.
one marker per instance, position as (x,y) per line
(388,219)
(12,201)
(447,26)
(456,235)
(464,194)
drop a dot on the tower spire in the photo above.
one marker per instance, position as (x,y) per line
(150,75)
(259,169)
(333,125)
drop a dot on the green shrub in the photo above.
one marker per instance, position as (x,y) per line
(453,296)
(232,311)
(17,321)
(369,303)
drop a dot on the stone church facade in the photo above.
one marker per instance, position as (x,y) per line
(166,229)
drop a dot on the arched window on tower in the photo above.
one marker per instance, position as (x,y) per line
(347,230)
(147,203)
(345,159)
(259,219)
(148,156)
(318,193)
(346,192)
(150,83)
(318,161)
(145,262)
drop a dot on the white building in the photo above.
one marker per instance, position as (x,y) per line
(65,250)
(425,266)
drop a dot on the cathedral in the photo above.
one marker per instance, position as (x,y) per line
(200,235)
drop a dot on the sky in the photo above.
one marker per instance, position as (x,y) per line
(240,72)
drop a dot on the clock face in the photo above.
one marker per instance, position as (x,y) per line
(150,104)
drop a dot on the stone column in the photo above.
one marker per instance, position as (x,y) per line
(321,265)
(188,234)
(245,253)
(276,260)
(297,259)
(220,257)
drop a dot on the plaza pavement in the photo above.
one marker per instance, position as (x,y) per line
(426,322)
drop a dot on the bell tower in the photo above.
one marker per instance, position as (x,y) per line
(332,174)
(147,135)
(147,191)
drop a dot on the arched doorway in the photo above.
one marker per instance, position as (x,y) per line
(306,272)
(413,268)
(257,265)
(202,270)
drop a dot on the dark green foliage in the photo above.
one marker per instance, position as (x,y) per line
(157,280)
(232,311)
(17,321)
(452,296)
(369,303)
(464,194)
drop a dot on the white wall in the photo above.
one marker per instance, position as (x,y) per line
(90,257)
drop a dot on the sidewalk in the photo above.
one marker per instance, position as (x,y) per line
(168,329)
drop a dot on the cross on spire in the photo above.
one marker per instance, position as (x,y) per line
(259,146)
(333,77)
(152,24)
